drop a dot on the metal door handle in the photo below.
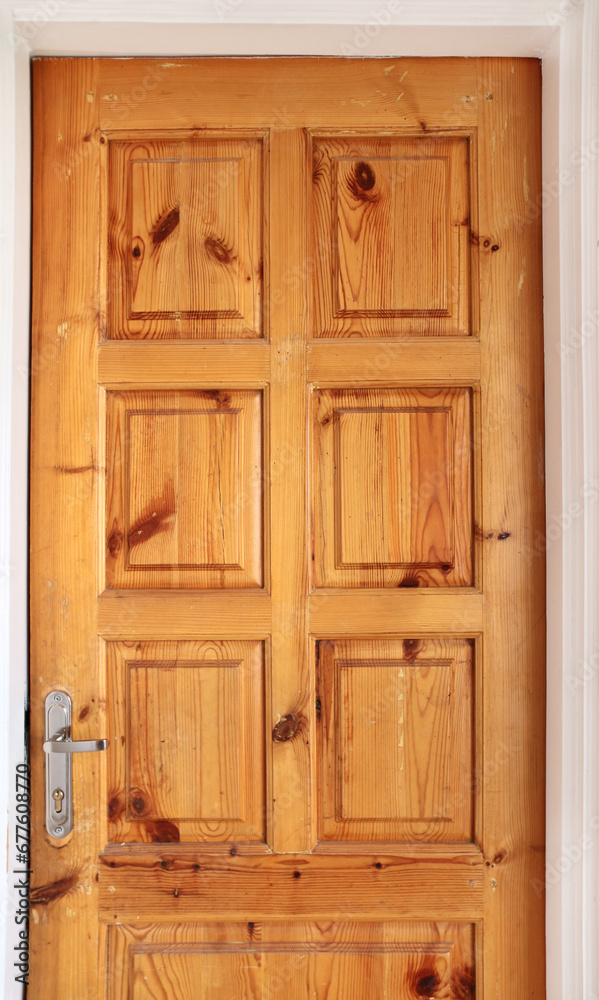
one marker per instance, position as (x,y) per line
(60,748)
(58,745)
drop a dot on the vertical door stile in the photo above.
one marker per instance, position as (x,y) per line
(292,683)
(64,523)
(513,580)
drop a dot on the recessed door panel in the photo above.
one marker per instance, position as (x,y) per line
(392,488)
(186,242)
(188,734)
(338,961)
(391,224)
(184,489)
(396,740)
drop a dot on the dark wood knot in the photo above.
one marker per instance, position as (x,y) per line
(285,728)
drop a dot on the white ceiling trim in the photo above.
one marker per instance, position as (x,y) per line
(79,38)
(384,12)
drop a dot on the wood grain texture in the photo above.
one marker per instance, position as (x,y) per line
(395,740)
(127,364)
(512,520)
(339,961)
(180,614)
(184,504)
(167,887)
(292,668)
(450,418)
(396,94)
(392,488)
(186,239)
(414,361)
(66,941)
(188,729)
(391,236)
(395,612)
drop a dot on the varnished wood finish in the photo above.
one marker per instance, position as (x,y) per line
(172,614)
(125,365)
(286,493)
(184,484)
(66,476)
(166,885)
(292,674)
(186,238)
(279,94)
(405,611)
(395,740)
(512,513)
(186,720)
(416,361)
(298,960)
(391,223)
(392,488)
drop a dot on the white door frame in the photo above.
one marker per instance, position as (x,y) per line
(565,34)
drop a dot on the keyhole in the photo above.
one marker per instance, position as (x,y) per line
(58,796)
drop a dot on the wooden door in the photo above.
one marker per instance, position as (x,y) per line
(286,528)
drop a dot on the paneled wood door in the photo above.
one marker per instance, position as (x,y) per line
(286,528)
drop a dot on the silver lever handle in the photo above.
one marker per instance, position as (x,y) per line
(74,746)
(60,748)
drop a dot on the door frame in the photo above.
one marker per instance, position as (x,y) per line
(565,34)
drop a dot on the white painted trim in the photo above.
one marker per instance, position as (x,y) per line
(91,38)
(7,184)
(589,272)
(566,34)
(418,12)
(14,437)
(565,553)
(556,400)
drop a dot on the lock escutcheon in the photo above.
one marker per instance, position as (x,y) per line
(59,749)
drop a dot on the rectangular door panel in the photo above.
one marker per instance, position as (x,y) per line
(391,229)
(396,740)
(184,501)
(392,487)
(256,961)
(187,725)
(186,243)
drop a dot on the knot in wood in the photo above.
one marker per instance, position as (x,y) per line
(285,728)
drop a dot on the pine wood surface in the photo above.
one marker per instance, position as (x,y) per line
(66,481)
(184,478)
(287,495)
(392,488)
(123,365)
(412,196)
(396,740)
(185,259)
(300,959)
(513,580)
(342,887)
(410,361)
(186,708)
